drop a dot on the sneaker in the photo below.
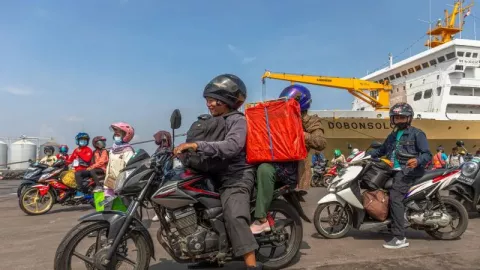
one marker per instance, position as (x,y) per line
(79,195)
(155,218)
(258,227)
(98,189)
(396,243)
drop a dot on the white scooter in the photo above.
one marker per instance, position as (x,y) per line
(425,208)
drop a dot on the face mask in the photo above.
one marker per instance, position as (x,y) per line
(117,139)
(83,142)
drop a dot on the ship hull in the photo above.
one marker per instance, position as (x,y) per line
(360,132)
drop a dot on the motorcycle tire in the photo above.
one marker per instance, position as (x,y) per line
(296,234)
(325,234)
(462,225)
(67,247)
(29,190)
(316,181)
(21,188)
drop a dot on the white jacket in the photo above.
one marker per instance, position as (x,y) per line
(116,162)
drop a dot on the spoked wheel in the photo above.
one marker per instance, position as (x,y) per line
(337,221)
(458,223)
(279,254)
(67,257)
(32,203)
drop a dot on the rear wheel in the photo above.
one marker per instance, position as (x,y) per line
(327,180)
(317,181)
(32,203)
(458,212)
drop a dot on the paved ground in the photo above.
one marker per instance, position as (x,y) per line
(30,243)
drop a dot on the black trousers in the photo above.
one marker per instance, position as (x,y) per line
(235,195)
(401,185)
(81,176)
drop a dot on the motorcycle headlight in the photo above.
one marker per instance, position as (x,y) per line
(122,177)
(469,169)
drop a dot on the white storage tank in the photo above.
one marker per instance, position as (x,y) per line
(22,150)
(3,154)
(55,145)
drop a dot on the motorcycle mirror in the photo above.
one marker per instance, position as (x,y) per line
(176,119)
(350,146)
(375,145)
(460,143)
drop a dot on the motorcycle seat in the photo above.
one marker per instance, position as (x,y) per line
(429,175)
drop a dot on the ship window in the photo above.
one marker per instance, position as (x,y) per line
(410,70)
(425,65)
(468,54)
(458,67)
(417,96)
(439,91)
(441,59)
(450,55)
(417,68)
(410,85)
(404,87)
(438,77)
(385,79)
(381,81)
(460,53)
(475,55)
(404,73)
(392,77)
(433,62)
(398,75)
(427,94)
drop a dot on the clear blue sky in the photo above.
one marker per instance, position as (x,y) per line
(72,65)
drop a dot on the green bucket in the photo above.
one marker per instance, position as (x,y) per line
(117,203)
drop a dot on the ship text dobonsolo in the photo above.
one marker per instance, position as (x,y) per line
(346,125)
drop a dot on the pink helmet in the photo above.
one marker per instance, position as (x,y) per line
(126,128)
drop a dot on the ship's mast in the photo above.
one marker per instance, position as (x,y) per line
(445,32)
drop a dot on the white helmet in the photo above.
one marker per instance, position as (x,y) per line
(355,151)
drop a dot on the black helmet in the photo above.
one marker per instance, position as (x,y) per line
(48,148)
(227,88)
(403,109)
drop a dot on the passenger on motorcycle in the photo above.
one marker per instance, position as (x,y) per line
(49,159)
(80,159)
(98,164)
(224,95)
(409,140)
(338,157)
(354,152)
(317,158)
(119,155)
(296,172)
(62,152)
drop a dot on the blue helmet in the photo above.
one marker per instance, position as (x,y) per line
(82,135)
(299,93)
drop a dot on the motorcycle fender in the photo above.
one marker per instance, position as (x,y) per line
(457,190)
(42,189)
(294,199)
(332,197)
(115,219)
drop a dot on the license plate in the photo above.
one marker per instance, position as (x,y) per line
(107,200)
(465,180)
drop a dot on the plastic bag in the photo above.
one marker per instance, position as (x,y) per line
(68,178)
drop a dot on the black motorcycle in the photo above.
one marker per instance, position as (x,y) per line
(318,173)
(190,213)
(466,188)
(38,171)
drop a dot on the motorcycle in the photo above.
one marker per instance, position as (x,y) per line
(50,191)
(37,171)
(318,172)
(466,187)
(426,208)
(190,213)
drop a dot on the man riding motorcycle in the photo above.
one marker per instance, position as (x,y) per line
(409,140)
(80,158)
(224,95)
(49,159)
(98,163)
(62,152)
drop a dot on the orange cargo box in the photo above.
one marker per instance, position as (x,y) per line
(274,132)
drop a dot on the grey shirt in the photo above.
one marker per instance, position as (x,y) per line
(232,148)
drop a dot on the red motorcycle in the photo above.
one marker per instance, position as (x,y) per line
(52,191)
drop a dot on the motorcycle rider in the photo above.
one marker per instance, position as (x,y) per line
(317,158)
(296,172)
(62,152)
(410,140)
(98,164)
(354,152)
(49,159)
(338,157)
(80,159)
(225,94)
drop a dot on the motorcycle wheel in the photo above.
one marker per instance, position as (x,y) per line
(316,181)
(21,188)
(33,193)
(462,223)
(66,249)
(294,240)
(327,180)
(331,219)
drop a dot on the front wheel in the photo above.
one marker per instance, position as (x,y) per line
(317,181)
(21,188)
(67,258)
(32,203)
(327,180)
(340,220)
(458,212)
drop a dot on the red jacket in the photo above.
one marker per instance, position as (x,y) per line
(100,160)
(60,156)
(80,158)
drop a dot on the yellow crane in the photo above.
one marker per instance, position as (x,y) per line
(379,96)
(444,33)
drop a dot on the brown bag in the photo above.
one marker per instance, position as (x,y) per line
(376,204)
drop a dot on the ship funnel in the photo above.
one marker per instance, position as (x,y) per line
(390,60)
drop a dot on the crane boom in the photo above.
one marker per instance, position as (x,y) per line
(379,96)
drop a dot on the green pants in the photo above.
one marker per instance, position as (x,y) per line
(265,189)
